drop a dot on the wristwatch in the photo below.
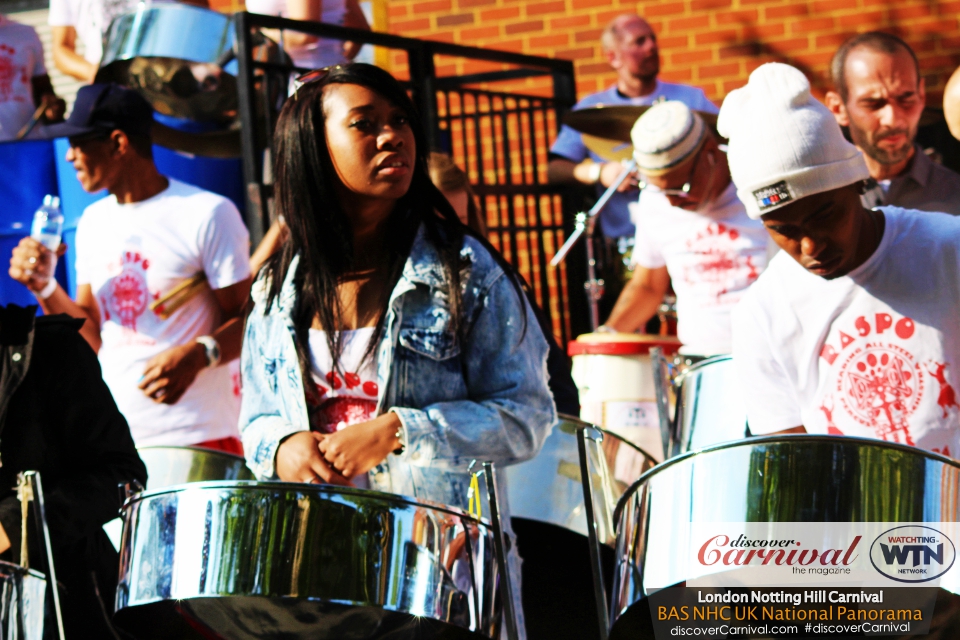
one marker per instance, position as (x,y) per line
(212,348)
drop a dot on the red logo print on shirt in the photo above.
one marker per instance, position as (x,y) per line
(880,384)
(722,265)
(947,397)
(127,292)
(8,72)
(353,400)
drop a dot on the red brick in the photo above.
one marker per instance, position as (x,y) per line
(480,33)
(736,17)
(523,27)
(813,59)
(569,21)
(595,67)
(508,45)
(408,26)
(709,5)
(950,43)
(686,57)
(948,8)
(719,35)
(832,6)
(396,11)
(604,17)
(673,42)
(831,40)
(771,13)
(813,24)
(664,9)
(927,44)
(469,4)
(554,40)
(588,4)
(500,13)
(909,12)
(933,26)
(677,75)
(541,8)
(789,44)
(938,63)
(748,50)
(863,19)
(686,24)
(451,20)
(431,7)
(730,85)
(583,53)
(441,36)
(719,70)
(590,35)
(765,31)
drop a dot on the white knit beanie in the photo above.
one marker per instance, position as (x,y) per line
(784,145)
(665,136)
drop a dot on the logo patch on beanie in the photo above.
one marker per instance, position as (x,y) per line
(772,195)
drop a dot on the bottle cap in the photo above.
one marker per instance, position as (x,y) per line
(51,201)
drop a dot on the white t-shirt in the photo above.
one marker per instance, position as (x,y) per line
(131,254)
(349,395)
(317,54)
(712,257)
(874,353)
(21,60)
(91,19)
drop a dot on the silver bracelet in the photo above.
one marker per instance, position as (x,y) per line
(212,348)
(47,290)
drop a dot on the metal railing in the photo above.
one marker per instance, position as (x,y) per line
(486,121)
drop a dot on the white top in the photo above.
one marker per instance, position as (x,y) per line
(21,60)
(91,19)
(349,395)
(318,54)
(132,254)
(712,257)
(875,353)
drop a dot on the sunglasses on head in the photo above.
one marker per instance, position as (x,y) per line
(313,76)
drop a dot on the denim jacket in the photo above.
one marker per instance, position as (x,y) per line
(485,399)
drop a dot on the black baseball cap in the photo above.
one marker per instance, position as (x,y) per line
(102,108)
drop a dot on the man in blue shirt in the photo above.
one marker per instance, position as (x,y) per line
(631,49)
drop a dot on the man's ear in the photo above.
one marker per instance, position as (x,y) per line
(612,59)
(120,142)
(835,103)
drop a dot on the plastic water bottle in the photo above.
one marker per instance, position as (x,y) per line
(47,228)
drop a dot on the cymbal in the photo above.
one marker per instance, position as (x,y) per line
(615,122)
(609,150)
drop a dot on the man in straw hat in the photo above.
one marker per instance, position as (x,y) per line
(691,228)
(853,327)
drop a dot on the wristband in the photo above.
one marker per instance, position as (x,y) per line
(212,348)
(596,169)
(47,290)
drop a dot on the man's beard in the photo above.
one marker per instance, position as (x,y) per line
(883,156)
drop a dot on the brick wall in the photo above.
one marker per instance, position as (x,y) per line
(713,44)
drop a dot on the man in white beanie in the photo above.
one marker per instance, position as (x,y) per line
(852,330)
(691,229)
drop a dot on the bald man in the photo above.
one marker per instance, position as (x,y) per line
(879,96)
(951,103)
(630,46)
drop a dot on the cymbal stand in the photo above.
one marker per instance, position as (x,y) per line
(586,223)
(30,488)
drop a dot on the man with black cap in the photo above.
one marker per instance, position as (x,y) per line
(852,329)
(691,229)
(153,236)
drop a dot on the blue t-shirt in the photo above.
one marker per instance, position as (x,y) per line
(615,217)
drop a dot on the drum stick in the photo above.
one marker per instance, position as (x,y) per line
(179,296)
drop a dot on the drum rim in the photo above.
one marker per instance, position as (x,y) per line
(565,417)
(772,439)
(194,448)
(275,485)
(695,368)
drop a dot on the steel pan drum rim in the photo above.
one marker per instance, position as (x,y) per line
(700,365)
(197,449)
(773,439)
(583,424)
(305,487)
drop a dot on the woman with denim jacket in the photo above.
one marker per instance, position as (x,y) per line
(419,306)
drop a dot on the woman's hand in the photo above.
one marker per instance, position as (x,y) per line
(299,460)
(361,447)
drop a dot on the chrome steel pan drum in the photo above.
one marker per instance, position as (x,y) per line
(171,53)
(799,478)
(709,410)
(169,466)
(279,560)
(22,596)
(548,488)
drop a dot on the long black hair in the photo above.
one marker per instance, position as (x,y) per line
(320,232)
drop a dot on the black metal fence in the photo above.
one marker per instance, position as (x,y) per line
(495,129)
